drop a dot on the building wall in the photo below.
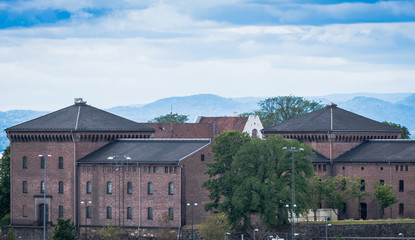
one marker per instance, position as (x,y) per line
(139,199)
(253,123)
(194,170)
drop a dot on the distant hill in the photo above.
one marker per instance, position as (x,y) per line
(397,108)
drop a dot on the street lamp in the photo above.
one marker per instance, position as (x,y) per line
(226,233)
(401,234)
(327,225)
(43,159)
(292,150)
(86,202)
(255,230)
(192,204)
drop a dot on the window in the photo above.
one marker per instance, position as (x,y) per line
(171,214)
(60,187)
(254,133)
(362,185)
(150,213)
(175,169)
(171,188)
(319,167)
(166,169)
(170,169)
(401,186)
(42,162)
(60,162)
(88,212)
(109,212)
(88,187)
(154,169)
(382,182)
(343,168)
(406,168)
(25,186)
(150,188)
(401,209)
(60,211)
(42,187)
(129,188)
(396,168)
(324,168)
(202,157)
(109,187)
(363,168)
(24,211)
(24,162)
(129,213)
(381,168)
(145,169)
(401,168)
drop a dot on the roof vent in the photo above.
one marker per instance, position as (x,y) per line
(79,101)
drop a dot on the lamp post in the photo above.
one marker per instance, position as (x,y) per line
(43,159)
(327,225)
(192,204)
(226,233)
(292,150)
(255,230)
(86,202)
(401,234)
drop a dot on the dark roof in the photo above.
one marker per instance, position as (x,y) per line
(150,151)
(80,117)
(331,118)
(223,124)
(381,151)
(181,130)
(318,158)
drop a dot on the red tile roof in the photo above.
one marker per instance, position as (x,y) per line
(223,124)
(181,130)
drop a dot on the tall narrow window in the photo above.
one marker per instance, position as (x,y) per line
(88,187)
(362,185)
(129,187)
(109,187)
(150,188)
(401,186)
(60,211)
(129,213)
(24,162)
(202,157)
(401,209)
(166,169)
(25,186)
(150,213)
(109,212)
(60,162)
(171,214)
(60,187)
(88,212)
(42,187)
(42,162)
(171,188)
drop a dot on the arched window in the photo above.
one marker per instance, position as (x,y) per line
(109,212)
(150,213)
(171,214)
(150,188)
(171,188)
(382,182)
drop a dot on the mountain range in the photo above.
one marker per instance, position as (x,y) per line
(398,108)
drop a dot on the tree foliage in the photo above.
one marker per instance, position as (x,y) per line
(110,232)
(215,226)
(65,230)
(405,132)
(171,118)
(253,176)
(278,109)
(385,195)
(165,231)
(5,183)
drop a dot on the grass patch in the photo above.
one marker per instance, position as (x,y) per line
(349,222)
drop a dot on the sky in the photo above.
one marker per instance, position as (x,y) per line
(126,52)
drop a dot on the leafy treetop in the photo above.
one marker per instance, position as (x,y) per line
(170,118)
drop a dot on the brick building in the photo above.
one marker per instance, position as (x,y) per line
(98,168)
(351,145)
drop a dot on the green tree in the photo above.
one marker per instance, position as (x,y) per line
(278,109)
(215,226)
(5,183)
(170,118)
(338,191)
(110,233)
(357,189)
(165,231)
(221,180)
(318,191)
(405,132)
(385,196)
(65,230)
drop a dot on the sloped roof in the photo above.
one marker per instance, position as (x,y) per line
(150,151)
(181,130)
(319,158)
(80,117)
(223,124)
(331,118)
(400,150)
